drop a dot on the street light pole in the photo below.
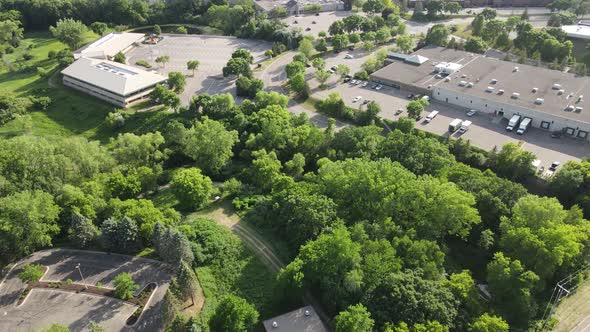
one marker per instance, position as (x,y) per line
(83,281)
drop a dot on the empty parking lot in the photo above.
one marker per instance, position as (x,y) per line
(213,52)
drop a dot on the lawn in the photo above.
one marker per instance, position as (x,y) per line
(71,113)
(463,31)
(573,309)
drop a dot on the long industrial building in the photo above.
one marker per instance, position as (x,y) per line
(113,82)
(552,99)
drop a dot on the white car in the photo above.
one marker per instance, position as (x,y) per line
(471,113)
(349,56)
(379,87)
(358,82)
(364,84)
(353,81)
(357,98)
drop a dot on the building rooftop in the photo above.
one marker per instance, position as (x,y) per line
(109,45)
(301,320)
(577,31)
(544,90)
(112,76)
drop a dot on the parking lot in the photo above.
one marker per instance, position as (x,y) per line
(322,21)
(44,307)
(213,52)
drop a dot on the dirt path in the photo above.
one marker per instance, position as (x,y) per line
(224,214)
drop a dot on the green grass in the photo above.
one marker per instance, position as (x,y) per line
(464,31)
(71,113)
(573,309)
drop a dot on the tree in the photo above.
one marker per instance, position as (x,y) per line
(56,328)
(157,30)
(434,7)
(209,144)
(322,76)
(243,54)
(28,220)
(354,318)
(342,70)
(99,28)
(135,151)
(233,314)
(163,59)
(10,32)
(476,45)
(191,188)
(31,273)
(182,30)
(492,29)
(513,288)
(294,68)
(488,13)
(405,43)
(336,28)
(566,184)
(82,231)
(339,42)
(354,38)
(172,245)
(299,85)
(265,169)
(119,234)
(69,32)
(373,6)
(544,236)
(318,63)
(247,87)
(489,323)
(437,35)
(321,45)
(187,282)
(237,66)
(125,287)
(120,58)
(478,24)
(305,47)
(94,327)
(514,163)
(165,96)
(414,108)
(176,81)
(525,15)
(193,65)
(560,18)
(452,7)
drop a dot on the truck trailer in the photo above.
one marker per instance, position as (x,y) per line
(455,125)
(513,123)
(524,125)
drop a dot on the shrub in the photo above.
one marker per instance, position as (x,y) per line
(31,273)
(143,63)
(124,286)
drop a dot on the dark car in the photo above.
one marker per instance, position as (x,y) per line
(313,22)
(366,101)
(308,29)
(348,76)
(399,111)
(556,134)
(410,96)
(346,79)
(554,166)
(351,48)
(317,14)
(307,65)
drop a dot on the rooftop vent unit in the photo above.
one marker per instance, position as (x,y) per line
(462,83)
(556,86)
(494,81)
(470,85)
(579,109)
(307,313)
(560,92)
(515,69)
(275,324)
(515,95)
(500,92)
(539,101)
(490,89)
(535,90)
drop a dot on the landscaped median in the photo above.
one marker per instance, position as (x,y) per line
(125,288)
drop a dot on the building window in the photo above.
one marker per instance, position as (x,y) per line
(471,101)
(569,131)
(457,98)
(438,93)
(486,105)
(582,134)
(545,124)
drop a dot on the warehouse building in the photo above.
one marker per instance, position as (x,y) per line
(116,83)
(552,99)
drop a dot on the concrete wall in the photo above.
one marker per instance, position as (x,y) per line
(555,122)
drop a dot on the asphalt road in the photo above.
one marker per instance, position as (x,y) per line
(44,307)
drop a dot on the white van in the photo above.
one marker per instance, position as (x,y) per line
(431,116)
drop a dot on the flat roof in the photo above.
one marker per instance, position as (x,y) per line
(577,31)
(296,321)
(481,70)
(112,76)
(109,45)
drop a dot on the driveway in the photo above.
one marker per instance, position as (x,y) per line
(44,307)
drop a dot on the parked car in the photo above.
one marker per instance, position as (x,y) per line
(313,22)
(556,134)
(399,111)
(411,96)
(331,71)
(358,82)
(357,98)
(366,101)
(374,86)
(554,166)
(333,67)
(346,79)
(308,29)
(471,113)
(365,84)
(317,14)
(351,48)
(295,22)
(349,56)
(353,81)
(379,87)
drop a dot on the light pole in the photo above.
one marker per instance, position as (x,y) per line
(83,281)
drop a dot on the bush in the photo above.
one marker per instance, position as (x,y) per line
(361,75)
(120,57)
(191,188)
(115,120)
(143,63)
(124,286)
(31,273)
